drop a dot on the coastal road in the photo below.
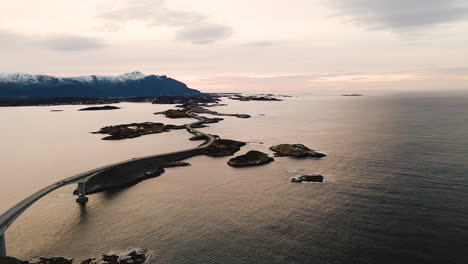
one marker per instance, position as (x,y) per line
(8,217)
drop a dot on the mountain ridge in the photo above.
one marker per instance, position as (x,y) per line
(14,85)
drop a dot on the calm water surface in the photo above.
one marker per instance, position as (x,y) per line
(396,188)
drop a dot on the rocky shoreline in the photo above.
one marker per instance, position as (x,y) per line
(296,151)
(136,256)
(100,108)
(251,158)
(134,130)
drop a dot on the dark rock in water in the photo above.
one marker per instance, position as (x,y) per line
(308,178)
(89,261)
(198,126)
(11,260)
(58,260)
(295,150)
(198,137)
(138,256)
(97,108)
(111,259)
(201,110)
(223,147)
(199,100)
(352,95)
(239,97)
(251,158)
(174,113)
(174,164)
(212,120)
(135,130)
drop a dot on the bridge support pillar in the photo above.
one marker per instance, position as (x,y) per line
(82,199)
(2,245)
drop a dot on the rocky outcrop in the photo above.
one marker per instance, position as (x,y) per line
(97,108)
(308,178)
(11,260)
(174,113)
(184,101)
(134,130)
(198,137)
(223,147)
(137,256)
(58,260)
(130,174)
(201,110)
(352,95)
(251,158)
(295,150)
(239,97)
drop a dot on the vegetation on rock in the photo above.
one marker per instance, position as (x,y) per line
(134,130)
(295,150)
(223,147)
(97,108)
(251,158)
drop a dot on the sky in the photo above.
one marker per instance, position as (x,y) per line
(244,45)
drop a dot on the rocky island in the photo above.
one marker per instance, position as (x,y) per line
(223,147)
(352,95)
(174,113)
(295,150)
(251,158)
(201,110)
(308,178)
(99,108)
(134,130)
(239,97)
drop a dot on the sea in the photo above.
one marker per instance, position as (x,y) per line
(396,187)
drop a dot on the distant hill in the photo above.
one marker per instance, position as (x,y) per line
(15,85)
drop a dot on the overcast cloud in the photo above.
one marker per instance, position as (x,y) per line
(223,45)
(401,15)
(191,26)
(67,42)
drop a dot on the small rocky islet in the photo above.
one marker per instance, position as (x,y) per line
(308,178)
(251,158)
(174,113)
(268,97)
(296,151)
(222,147)
(352,95)
(134,130)
(100,108)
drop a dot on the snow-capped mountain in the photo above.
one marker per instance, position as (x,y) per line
(136,75)
(18,77)
(128,84)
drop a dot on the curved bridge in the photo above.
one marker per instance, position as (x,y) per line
(8,217)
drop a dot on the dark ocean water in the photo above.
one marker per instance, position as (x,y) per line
(396,191)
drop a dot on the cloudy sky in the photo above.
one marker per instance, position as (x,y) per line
(244,45)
